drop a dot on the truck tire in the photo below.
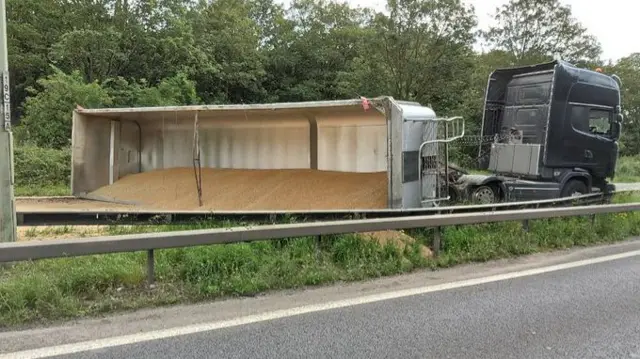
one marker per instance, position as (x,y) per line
(485,194)
(574,187)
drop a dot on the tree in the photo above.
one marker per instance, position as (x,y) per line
(173,91)
(177,90)
(537,30)
(315,43)
(230,41)
(48,113)
(150,40)
(628,69)
(420,51)
(32,27)
(97,54)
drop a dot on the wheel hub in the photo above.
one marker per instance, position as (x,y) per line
(484,195)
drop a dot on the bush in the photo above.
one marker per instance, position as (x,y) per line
(48,112)
(42,167)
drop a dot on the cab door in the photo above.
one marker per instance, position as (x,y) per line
(591,143)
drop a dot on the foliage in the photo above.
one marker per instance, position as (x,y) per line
(628,169)
(628,69)
(313,48)
(537,30)
(48,114)
(173,91)
(36,166)
(233,68)
(247,51)
(420,51)
(47,118)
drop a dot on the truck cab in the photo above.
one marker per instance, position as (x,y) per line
(549,130)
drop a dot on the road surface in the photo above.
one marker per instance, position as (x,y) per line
(578,304)
(627,186)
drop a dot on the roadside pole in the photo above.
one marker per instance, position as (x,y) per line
(7,202)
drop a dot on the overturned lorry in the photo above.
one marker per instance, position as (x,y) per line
(553,130)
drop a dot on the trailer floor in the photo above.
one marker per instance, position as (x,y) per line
(65,203)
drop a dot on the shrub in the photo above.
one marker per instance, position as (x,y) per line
(36,166)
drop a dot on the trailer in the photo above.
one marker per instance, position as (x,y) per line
(279,156)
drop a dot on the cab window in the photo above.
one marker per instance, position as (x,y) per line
(596,121)
(600,122)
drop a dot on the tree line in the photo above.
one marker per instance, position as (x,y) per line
(116,53)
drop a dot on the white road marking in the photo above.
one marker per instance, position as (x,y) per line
(67,349)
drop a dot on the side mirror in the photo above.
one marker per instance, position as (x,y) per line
(616,129)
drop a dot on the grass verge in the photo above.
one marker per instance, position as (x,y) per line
(628,169)
(58,289)
(36,190)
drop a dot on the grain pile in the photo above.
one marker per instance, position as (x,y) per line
(251,190)
(41,233)
(398,239)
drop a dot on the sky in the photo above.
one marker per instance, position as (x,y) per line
(613,22)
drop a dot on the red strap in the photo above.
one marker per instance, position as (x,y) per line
(365,103)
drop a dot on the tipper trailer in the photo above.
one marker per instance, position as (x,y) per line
(379,137)
(553,130)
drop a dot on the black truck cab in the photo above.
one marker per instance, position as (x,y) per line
(554,131)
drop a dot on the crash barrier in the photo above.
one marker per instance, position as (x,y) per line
(34,250)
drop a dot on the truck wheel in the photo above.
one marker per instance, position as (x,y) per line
(574,188)
(486,194)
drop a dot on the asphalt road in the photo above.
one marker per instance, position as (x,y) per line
(586,312)
(627,186)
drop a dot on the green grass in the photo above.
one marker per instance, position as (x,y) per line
(59,289)
(628,169)
(36,190)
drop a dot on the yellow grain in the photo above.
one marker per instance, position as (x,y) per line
(245,190)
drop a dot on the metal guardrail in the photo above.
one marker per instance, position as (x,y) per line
(34,250)
(87,217)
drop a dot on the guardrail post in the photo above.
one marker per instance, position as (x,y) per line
(525,225)
(318,245)
(604,201)
(437,237)
(151,278)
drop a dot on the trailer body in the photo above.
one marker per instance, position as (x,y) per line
(377,135)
